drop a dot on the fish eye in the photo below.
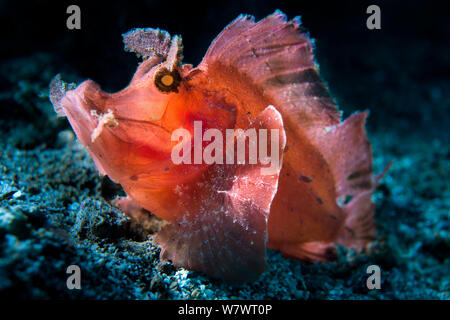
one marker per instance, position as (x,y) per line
(167,81)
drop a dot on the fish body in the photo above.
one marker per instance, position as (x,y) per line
(255,75)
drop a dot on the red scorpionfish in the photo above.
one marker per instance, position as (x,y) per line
(222,215)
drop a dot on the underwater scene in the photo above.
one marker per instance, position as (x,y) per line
(229,150)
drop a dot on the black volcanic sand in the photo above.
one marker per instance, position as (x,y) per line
(54,209)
